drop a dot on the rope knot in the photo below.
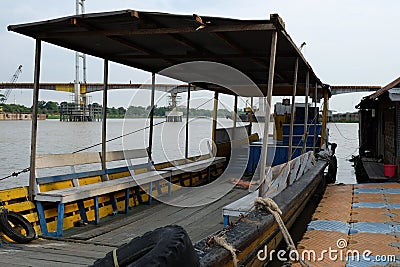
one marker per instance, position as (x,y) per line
(267,203)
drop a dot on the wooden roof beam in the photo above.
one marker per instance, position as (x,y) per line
(122,40)
(222,28)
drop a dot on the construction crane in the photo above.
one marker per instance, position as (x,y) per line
(4,97)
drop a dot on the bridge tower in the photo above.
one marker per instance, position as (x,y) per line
(174,115)
(80,9)
(80,109)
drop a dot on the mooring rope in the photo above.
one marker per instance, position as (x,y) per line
(220,240)
(15,174)
(115,258)
(270,205)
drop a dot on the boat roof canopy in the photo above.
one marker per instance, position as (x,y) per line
(153,41)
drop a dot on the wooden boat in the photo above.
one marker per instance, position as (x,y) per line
(153,42)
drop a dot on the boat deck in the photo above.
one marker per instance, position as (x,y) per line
(83,245)
(361,218)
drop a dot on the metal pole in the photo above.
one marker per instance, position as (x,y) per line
(235,107)
(264,151)
(77,7)
(251,115)
(32,174)
(306,113)
(214,122)
(187,123)
(315,116)
(76,84)
(104,122)
(293,109)
(153,89)
(324,117)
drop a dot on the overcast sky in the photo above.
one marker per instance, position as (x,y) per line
(349,42)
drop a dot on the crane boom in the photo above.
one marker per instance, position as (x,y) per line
(14,78)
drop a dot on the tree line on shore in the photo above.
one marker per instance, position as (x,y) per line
(52,109)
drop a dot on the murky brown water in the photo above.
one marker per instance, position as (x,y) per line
(169,141)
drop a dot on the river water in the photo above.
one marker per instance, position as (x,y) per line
(169,141)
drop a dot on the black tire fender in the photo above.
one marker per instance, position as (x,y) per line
(18,221)
(165,246)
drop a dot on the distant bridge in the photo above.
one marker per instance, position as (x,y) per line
(169,88)
(345,89)
(94,87)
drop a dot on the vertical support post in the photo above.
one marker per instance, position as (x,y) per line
(76,84)
(187,124)
(104,122)
(251,115)
(235,107)
(264,150)
(293,109)
(214,122)
(32,178)
(324,118)
(305,135)
(315,116)
(153,89)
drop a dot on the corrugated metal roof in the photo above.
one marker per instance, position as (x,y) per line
(154,41)
(367,101)
(384,89)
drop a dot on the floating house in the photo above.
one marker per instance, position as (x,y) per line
(379,129)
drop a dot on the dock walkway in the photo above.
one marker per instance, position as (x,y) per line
(362,218)
(84,245)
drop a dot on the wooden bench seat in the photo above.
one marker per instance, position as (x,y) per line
(78,193)
(91,190)
(136,175)
(194,166)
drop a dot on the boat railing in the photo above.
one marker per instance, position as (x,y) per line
(278,178)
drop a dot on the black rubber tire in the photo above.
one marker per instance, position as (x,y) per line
(17,220)
(166,246)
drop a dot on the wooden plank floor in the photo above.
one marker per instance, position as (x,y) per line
(84,245)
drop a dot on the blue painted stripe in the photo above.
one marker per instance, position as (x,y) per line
(70,176)
(371,227)
(66,177)
(391,191)
(367,261)
(393,205)
(117,170)
(376,205)
(327,225)
(368,191)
